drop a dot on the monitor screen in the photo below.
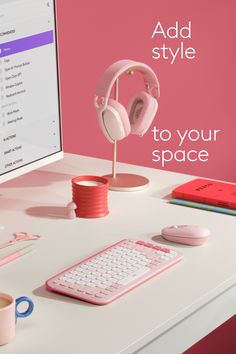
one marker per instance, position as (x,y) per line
(30,127)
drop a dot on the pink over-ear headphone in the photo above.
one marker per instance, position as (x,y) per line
(117,122)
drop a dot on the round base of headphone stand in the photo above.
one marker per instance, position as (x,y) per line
(126,182)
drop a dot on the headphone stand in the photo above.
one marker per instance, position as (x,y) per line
(124,182)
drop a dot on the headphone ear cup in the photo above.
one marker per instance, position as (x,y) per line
(142,109)
(115,121)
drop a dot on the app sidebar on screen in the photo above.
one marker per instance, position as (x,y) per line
(29,101)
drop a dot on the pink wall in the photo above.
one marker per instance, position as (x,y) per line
(196,94)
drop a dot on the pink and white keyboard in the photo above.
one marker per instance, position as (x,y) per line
(112,272)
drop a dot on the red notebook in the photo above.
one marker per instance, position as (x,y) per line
(205,191)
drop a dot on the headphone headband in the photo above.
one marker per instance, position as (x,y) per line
(120,67)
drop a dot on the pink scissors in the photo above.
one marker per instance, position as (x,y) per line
(19,237)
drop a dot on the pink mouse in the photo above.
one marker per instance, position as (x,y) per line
(193,235)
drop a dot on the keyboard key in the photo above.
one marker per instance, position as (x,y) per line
(134,276)
(99,295)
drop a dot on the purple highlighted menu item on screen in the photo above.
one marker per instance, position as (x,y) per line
(27,43)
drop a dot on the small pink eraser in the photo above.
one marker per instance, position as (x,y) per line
(71,207)
(71,214)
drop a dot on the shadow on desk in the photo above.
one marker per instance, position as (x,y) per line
(160,239)
(43,292)
(37,179)
(49,212)
(164,193)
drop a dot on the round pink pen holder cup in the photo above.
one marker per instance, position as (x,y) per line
(90,194)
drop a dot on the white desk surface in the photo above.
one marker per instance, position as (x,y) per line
(165,315)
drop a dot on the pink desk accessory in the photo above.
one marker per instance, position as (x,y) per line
(90,195)
(117,121)
(106,275)
(19,237)
(9,313)
(17,254)
(71,208)
(193,235)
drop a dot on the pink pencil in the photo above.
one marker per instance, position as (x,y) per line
(16,254)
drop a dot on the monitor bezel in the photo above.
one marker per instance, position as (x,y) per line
(31,166)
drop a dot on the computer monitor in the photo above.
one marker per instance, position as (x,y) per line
(30,124)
